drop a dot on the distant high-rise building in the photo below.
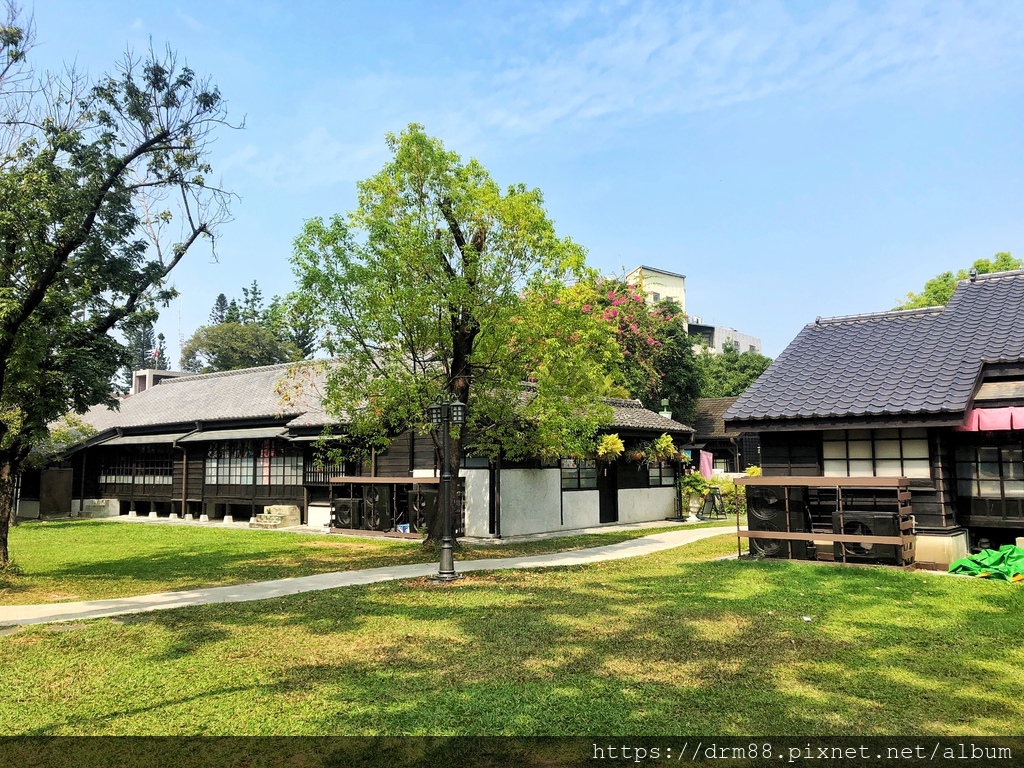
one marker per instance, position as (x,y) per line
(715,337)
(659,284)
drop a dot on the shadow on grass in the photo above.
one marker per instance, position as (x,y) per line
(637,648)
(98,559)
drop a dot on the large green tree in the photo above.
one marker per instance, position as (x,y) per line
(442,284)
(939,290)
(729,373)
(102,193)
(250,334)
(231,346)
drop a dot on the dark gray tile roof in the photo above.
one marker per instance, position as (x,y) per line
(708,417)
(255,393)
(246,394)
(919,362)
(631,414)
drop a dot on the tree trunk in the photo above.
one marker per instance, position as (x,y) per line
(7,476)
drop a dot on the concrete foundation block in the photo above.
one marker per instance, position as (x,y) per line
(204,518)
(229,519)
(97,507)
(132,513)
(940,550)
(153,515)
(189,517)
(173,516)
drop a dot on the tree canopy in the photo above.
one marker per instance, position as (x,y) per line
(442,284)
(103,190)
(652,357)
(939,290)
(231,346)
(248,334)
(729,373)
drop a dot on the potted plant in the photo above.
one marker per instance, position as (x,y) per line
(693,487)
(662,449)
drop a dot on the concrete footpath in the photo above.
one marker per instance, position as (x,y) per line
(12,615)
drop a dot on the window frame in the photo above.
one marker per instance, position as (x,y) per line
(865,451)
(147,467)
(968,471)
(658,469)
(578,474)
(259,463)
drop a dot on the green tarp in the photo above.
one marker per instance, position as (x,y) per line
(1006,564)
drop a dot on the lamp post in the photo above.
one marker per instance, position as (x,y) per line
(443,414)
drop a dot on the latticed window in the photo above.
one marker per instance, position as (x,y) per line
(661,473)
(321,469)
(876,453)
(278,464)
(579,474)
(229,463)
(146,467)
(247,462)
(990,472)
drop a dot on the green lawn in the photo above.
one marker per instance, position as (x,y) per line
(90,559)
(672,643)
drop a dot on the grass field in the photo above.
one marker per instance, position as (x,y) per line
(672,643)
(90,559)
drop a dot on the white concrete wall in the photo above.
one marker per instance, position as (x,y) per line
(580,509)
(28,509)
(478,499)
(319,515)
(530,501)
(641,505)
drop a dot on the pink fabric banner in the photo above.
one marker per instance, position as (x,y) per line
(707,464)
(993,420)
(1017,416)
(972,422)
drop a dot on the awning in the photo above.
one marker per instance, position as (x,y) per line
(256,433)
(144,439)
(311,438)
(993,420)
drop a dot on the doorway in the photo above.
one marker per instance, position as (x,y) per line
(608,491)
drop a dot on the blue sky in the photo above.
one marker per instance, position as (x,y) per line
(792,159)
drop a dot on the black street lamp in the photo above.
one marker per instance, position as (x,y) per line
(443,415)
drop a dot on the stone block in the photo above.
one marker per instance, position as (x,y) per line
(289,514)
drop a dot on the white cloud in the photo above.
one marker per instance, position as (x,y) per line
(589,68)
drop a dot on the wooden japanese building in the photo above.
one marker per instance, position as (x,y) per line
(934,395)
(227,444)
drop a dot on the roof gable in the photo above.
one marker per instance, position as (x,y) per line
(708,417)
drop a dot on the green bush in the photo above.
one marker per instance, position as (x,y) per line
(694,484)
(734,496)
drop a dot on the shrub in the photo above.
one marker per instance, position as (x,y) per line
(734,496)
(693,484)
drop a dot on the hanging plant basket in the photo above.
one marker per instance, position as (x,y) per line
(610,447)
